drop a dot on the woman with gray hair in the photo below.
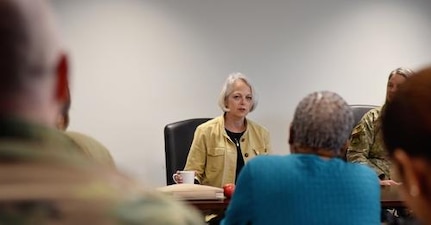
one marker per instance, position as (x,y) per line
(366,143)
(312,185)
(222,146)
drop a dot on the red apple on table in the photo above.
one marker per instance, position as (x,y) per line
(228,190)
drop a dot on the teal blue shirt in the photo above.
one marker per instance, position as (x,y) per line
(304,189)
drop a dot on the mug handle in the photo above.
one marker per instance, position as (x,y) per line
(174,177)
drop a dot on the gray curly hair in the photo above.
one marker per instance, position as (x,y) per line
(322,120)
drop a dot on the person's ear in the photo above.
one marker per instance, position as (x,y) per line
(62,73)
(291,135)
(292,139)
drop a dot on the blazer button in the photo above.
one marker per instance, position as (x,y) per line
(243,139)
(246,155)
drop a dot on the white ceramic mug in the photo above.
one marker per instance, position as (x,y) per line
(188,176)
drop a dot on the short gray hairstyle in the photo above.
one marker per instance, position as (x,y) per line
(322,120)
(228,89)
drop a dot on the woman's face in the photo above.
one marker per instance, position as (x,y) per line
(240,101)
(393,84)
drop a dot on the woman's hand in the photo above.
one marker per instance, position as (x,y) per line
(388,183)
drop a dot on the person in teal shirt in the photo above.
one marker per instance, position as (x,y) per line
(312,185)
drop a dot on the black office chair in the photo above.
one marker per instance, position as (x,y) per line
(360,110)
(178,139)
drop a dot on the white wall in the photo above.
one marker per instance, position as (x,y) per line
(139,65)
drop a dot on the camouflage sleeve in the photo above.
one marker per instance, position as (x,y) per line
(361,142)
(92,148)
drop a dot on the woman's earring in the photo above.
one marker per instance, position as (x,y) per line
(414,191)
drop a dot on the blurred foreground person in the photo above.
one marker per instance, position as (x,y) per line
(43,178)
(406,126)
(90,147)
(312,185)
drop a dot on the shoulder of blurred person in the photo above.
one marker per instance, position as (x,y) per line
(44,178)
(92,148)
(24,136)
(52,189)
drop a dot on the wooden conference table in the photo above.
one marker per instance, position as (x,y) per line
(389,199)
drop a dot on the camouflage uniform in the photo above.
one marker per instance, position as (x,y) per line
(91,148)
(366,145)
(45,180)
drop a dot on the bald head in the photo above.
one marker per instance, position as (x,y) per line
(30,57)
(322,120)
(28,42)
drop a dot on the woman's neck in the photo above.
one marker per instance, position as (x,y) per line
(323,153)
(236,125)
